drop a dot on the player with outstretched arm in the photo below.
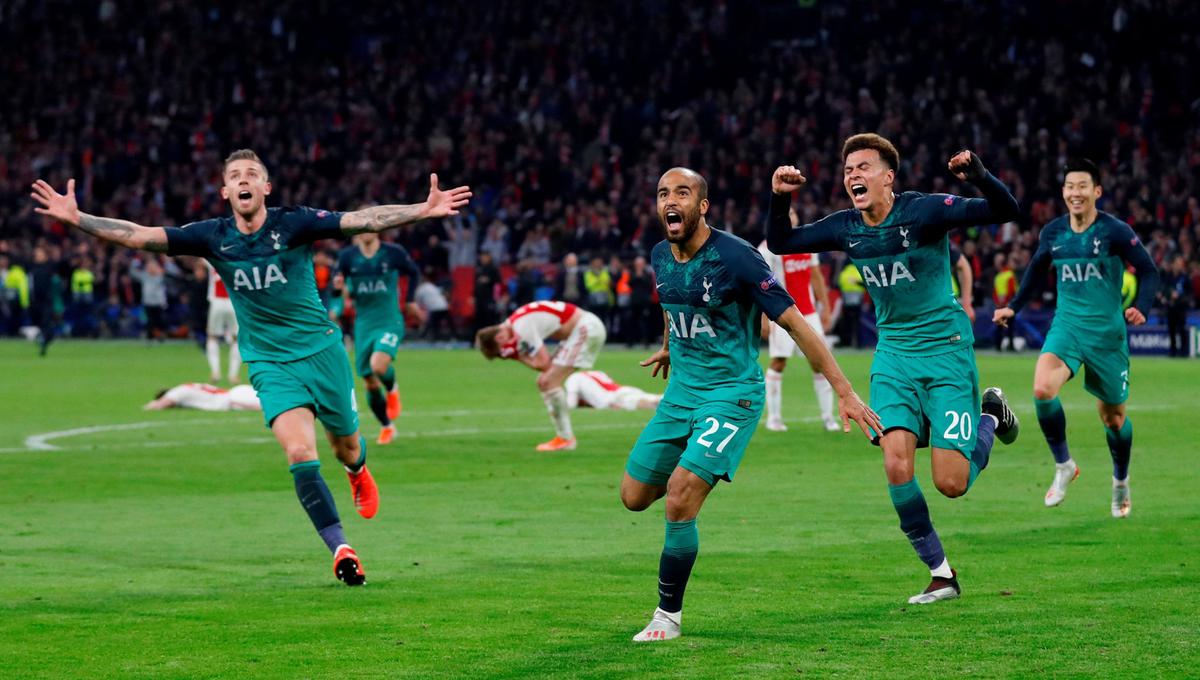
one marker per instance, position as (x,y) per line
(924,382)
(294,353)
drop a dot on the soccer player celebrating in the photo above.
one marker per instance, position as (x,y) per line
(595,389)
(1087,250)
(522,337)
(205,397)
(713,286)
(295,356)
(370,269)
(797,273)
(924,382)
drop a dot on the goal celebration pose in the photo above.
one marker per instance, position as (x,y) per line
(713,288)
(924,382)
(294,353)
(1087,250)
(370,269)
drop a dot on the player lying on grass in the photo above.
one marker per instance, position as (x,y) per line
(205,397)
(522,337)
(294,353)
(370,269)
(924,382)
(595,389)
(713,287)
(1087,250)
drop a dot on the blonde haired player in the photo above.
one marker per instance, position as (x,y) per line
(802,278)
(522,337)
(222,324)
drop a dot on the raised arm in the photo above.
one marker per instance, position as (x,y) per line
(941,213)
(382,217)
(65,209)
(818,237)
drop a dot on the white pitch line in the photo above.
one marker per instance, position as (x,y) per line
(460,432)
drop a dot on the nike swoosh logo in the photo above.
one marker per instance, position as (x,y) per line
(226,247)
(709,455)
(1055,248)
(854,243)
(660,285)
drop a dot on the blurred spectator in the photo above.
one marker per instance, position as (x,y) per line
(851,284)
(569,287)
(153,280)
(44,297)
(643,310)
(437,309)
(83,300)
(487,284)
(598,283)
(1004,289)
(1177,298)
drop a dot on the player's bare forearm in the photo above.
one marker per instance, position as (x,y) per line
(382,217)
(124,233)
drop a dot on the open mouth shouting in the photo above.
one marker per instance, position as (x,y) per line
(858,190)
(673,218)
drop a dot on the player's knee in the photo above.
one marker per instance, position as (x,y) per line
(1044,391)
(372,382)
(950,486)
(896,469)
(635,501)
(379,366)
(300,452)
(1112,420)
(545,382)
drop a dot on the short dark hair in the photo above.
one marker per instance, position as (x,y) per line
(701,183)
(244,155)
(870,140)
(1082,165)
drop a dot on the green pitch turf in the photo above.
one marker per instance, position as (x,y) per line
(172,545)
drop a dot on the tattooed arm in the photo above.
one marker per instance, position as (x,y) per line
(381,217)
(64,208)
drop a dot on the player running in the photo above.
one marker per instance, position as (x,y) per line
(713,286)
(205,397)
(522,337)
(295,356)
(924,382)
(797,274)
(370,269)
(595,389)
(222,324)
(1087,250)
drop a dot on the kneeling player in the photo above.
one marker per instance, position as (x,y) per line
(205,397)
(522,337)
(594,389)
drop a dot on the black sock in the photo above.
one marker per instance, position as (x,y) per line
(388,379)
(675,566)
(317,502)
(378,402)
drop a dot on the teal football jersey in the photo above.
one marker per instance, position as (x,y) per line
(904,261)
(269,276)
(712,306)
(1087,268)
(372,283)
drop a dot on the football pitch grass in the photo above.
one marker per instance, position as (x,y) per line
(170,544)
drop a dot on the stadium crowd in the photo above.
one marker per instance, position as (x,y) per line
(563,127)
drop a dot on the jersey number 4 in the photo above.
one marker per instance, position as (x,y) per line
(717,425)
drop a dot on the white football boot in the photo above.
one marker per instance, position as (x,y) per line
(1120,501)
(663,626)
(832,424)
(939,589)
(1064,474)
